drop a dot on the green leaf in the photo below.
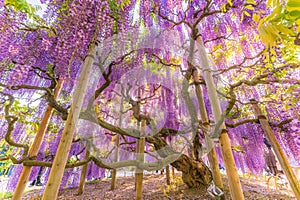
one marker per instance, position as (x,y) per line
(295,14)
(293,5)
(281,28)
(23,6)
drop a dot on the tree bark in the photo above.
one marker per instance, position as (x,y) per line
(285,165)
(194,173)
(23,179)
(60,160)
(231,170)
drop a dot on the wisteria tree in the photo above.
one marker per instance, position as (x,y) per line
(95,85)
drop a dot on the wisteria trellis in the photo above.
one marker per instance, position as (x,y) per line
(38,54)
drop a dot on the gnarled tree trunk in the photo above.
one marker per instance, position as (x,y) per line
(194,173)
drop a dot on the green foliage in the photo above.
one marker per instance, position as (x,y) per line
(237,148)
(282,24)
(23,6)
(116,8)
(50,68)
(26,117)
(5,150)
(293,5)
(6,194)
(72,160)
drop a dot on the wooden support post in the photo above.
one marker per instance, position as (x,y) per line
(235,186)
(212,155)
(173,172)
(140,158)
(137,152)
(83,174)
(285,165)
(116,158)
(61,156)
(168,175)
(137,144)
(114,171)
(23,179)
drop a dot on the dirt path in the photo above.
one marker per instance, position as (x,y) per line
(155,189)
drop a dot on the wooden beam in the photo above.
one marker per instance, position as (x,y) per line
(83,174)
(285,165)
(61,156)
(140,157)
(117,143)
(35,147)
(212,155)
(235,186)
